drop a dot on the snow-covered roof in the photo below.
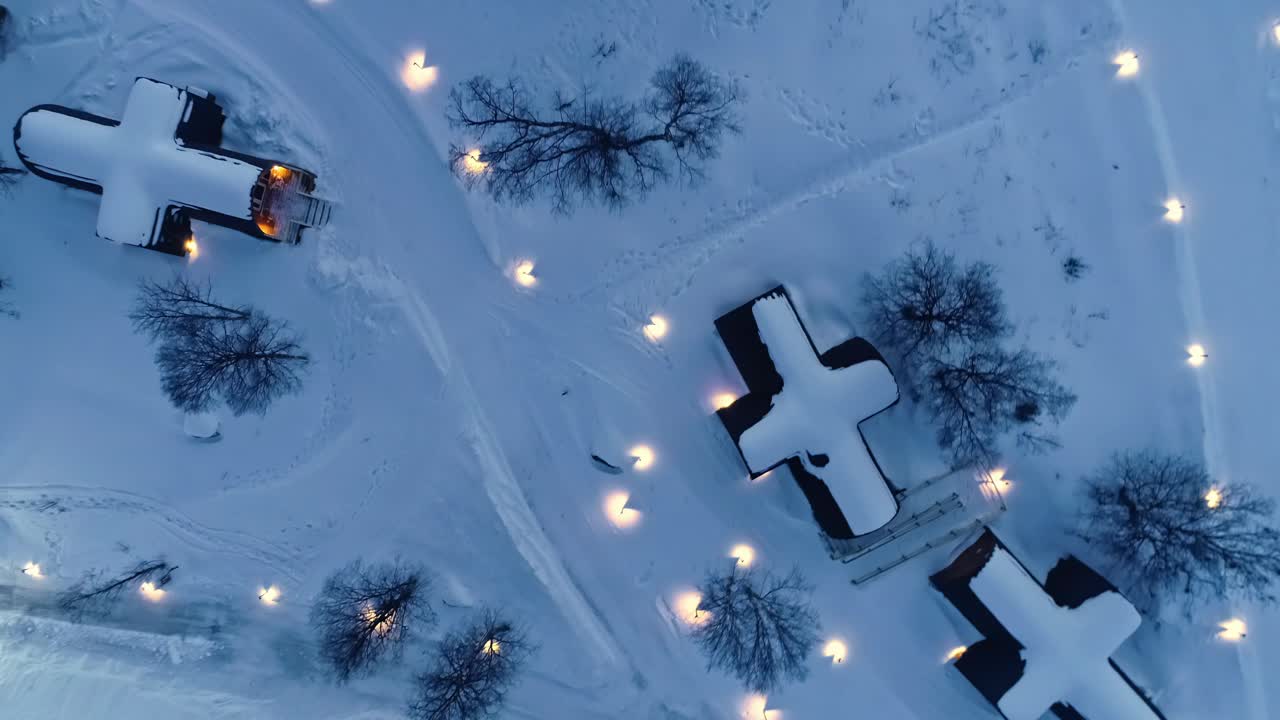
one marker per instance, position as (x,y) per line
(812,418)
(139,164)
(1054,652)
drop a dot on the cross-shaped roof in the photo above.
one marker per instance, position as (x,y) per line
(804,409)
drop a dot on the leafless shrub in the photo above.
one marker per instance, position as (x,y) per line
(471,671)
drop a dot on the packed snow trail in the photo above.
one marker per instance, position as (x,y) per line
(1211,68)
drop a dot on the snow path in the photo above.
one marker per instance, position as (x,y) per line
(1190,236)
(679,260)
(59,498)
(374,84)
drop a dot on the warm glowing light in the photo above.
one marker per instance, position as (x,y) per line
(1196,355)
(416,74)
(1173,210)
(267,226)
(269,595)
(472,163)
(615,508)
(720,401)
(491,647)
(192,248)
(280,172)
(1275,33)
(1213,498)
(956,652)
(1233,630)
(383,626)
(657,328)
(1127,62)
(524,273)
(836,650)
(997,478)
(32,569)
(756,707)
(151,592)
(687,608)
(642,457)
(744,554)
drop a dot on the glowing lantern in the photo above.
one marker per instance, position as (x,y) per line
(642,457)
(617,510)
(688,610)
(955,653)
(1213,498)
(416,74)
(1196,355)
(1127,63)
(656,329)
(472,163)
(836,650)
(756,707)
(1233,630)
(491,647)
(524,273)
(192,247)
(720,401)
(383,626)
(1173,210)
(32,570)
(269,595)
(744,554)
(151,592)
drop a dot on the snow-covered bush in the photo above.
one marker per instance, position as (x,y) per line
(756,626)
(1178,535)
(471,671)
(591,149)
(365,613)
(946,330)
(208,351)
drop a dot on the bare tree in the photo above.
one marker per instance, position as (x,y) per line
(989,392)
(4,32)
(1177,534)
(756,626)
(586,148)
(924,305)
(945,325)
(471,672)
(365,613)
(209,351)
(96,592)
(8,175)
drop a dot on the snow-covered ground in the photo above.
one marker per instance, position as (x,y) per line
(450,413)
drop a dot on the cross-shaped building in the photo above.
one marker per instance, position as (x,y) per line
(804,409)
(161,166)
(1045,648)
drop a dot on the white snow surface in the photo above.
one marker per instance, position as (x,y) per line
(1066,650)
(817,413)
(435,422)
(139,164)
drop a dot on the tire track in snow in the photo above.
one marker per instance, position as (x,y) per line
(1192,301)
(48,498)
(684,256)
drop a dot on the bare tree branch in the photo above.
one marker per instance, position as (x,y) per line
(209,351)
(365,613)
(96,593)
(756,626)
(1152,514)
(471,671)
(588,148)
